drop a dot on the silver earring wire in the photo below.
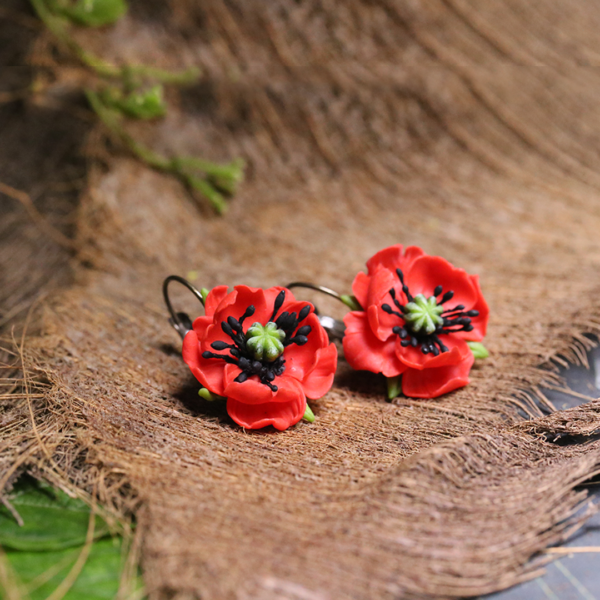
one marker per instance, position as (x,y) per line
(180,320)
(334,328)
(182,323)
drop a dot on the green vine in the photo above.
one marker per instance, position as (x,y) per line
(136,92)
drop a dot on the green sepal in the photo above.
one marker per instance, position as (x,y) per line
(308,414)
(209,396)
(92,13)
(393,387)
(351,302)
(204,293)
(479,350)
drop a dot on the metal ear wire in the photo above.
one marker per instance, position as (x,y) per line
(334,328)
(180,320)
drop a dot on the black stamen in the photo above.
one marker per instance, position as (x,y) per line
(227,359)
(399,331)
(234,324)
(447,296)
(248,313)
(300,340)
(400,275)
(304,313)
(472,313)
(388,309)
(242,377)
(219,345)
(438,290)
(405,343)
(452,311)
(396,302)
(278,304)
(304,330)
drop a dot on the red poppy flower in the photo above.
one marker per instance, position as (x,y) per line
(419,312)
(263,350)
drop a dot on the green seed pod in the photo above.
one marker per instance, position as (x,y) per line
(265,342)
(424,314)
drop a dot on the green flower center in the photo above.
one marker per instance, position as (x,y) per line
(424,314)
(264,342)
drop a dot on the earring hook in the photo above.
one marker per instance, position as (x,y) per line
(180,320)
(335,328)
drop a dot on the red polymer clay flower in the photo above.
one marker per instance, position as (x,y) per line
(419,312)
(263,350)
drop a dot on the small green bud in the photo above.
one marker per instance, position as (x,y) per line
(479,350)
(394,387)
(351,302)
(308,414)
(264,342)
(93,13)
(209,396)
(204,293)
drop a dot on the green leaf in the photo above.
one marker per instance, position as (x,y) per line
(51,519)
(478,349)
(93,13)
(40,573)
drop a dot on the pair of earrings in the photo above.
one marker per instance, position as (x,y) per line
(414,318)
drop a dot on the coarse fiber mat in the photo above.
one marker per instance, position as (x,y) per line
(468,127)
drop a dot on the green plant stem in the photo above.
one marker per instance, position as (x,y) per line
(111,120)
(59,26)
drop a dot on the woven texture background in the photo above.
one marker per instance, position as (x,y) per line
(468,127)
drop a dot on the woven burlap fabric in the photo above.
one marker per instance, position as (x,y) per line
(468,128)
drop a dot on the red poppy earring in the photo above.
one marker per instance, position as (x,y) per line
(416,319)
(262,351)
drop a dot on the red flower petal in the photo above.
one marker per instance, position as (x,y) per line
(200,326)
(208,372)
(364,351)
(392,258)
(238,301)
(427,272)
(272,293)
(279,414)
(415,359)
(214,298)
(252,391)
(320,379)
(300,360)
(381,323)
(480,322)
(360,288)
(432,383)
